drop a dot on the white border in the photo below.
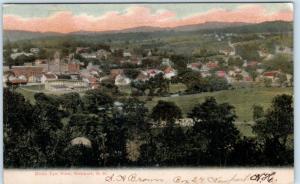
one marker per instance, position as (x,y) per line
(296,59)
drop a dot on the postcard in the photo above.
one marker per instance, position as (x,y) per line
(189,93)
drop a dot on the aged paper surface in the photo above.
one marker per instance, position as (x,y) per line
(171,93)
(148,176)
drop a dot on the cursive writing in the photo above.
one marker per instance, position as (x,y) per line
(261,177)
(132,178)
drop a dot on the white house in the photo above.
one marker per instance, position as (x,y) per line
(126,54)
(89,55)
(169,73)
(122,80)
(48,76)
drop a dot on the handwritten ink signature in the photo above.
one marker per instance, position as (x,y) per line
(268,177)
(261,178)
(132,178)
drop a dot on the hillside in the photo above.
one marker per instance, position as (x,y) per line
(141,33)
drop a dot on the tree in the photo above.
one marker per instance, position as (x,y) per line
(214,127)
(20,149)
(79,156)
(95,101)
(267,82)
(134,114)
(278,120)
(247,152)
(71,101)
(258,112)
(166,111)
(235,62)
(131,73)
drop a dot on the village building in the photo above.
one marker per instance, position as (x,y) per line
(115,72)
(122,80)
(92,55)
(102,54)
(74,66)
(31,73)
(142,76)
(126,54)
(48,77)
(136,61)
(221,73)
(153,72)
(82,49)
(166,62)
(169,72)
(194,66)
(212,65)
(58,65)
(42,63)
(92,82)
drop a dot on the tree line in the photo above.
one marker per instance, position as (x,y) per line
(123,132)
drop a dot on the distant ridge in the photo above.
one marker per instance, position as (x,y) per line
(272,26)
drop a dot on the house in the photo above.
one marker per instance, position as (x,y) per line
(153,72)
(92,82)
(212,65)
(82,49)
(115,72)
(260,70)
(204,71)
(122,80)
(30,73)
(142,76)
(136,61)
(58,65)
(74,66)
(47,77)
(102,54)
(166,62)
(252,64)
(221,73)
(92,55)
(169,72)
(126,54)
(271,75)
(194,66)
(91,66)
(10,78)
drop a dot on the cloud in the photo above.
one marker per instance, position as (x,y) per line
(135,16)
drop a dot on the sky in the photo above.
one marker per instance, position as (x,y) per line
(65,18)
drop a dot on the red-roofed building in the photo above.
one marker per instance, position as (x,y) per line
(31,73)
(221,73)
(212,65)
(73,67)
(271,74)
(252,64)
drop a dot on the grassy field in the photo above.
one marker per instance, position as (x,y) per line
(241,99)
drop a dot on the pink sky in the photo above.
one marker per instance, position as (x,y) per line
(65,21)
